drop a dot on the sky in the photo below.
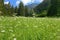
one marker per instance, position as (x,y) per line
(16,2)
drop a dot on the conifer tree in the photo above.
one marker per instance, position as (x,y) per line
(1,6)
(7,9)
(53,8)
(21,10)
(26,11)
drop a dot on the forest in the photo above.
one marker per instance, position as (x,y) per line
(48,8)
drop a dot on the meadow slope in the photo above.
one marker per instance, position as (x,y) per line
(22,28)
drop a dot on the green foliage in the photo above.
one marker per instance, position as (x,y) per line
(21,9)
(46,8)
(42,7)
(7,10)
(21,28)
(43,14)
(53,8)
(26,11)
(16,9)
(1,7)
(58,7)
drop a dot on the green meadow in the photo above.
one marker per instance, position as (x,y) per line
(29,28)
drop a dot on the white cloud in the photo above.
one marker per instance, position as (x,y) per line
(26,1)
(6,2)
(41,0)
(17,2)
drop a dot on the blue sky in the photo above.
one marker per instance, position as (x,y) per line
(16,2)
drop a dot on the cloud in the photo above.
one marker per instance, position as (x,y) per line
(26,1)
(17,2)
(41,0)
(6,2)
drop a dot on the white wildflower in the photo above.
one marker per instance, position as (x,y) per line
(14,38)
(3,31)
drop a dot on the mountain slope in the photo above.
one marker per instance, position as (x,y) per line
(33,5)
(43,6)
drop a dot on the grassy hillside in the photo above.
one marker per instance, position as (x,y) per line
(21,28)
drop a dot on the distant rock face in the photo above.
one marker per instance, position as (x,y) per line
(42,6)
(34,4)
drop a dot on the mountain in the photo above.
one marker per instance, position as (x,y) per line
(32,5)
(43,6)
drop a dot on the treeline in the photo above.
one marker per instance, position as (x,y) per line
(21,10)
(49,8)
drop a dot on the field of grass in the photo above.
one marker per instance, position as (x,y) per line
(21,28)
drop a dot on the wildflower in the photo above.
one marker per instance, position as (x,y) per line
(14,38)
(3,31)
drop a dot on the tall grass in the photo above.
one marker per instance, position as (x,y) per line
(21,28)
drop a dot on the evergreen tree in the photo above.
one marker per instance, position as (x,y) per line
(31,13)
(26,11)
(21,10)
(12,10)
(58,7)
(53,8)
(42,7)
(7,9)
(1,6)
(16,9)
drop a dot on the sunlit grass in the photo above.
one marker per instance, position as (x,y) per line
(22,28)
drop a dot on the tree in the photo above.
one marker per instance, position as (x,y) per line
(1,6)
(7,9)
(53,8)
(21,10)
(31,13)
(26,11)
(42,7)
(58,7)
(16,9)
(12,10)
